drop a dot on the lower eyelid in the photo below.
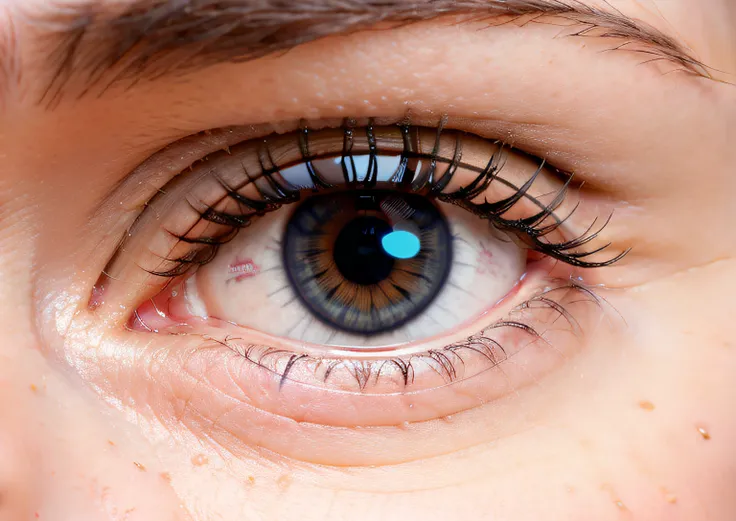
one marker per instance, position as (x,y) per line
(208,387)
(455,362)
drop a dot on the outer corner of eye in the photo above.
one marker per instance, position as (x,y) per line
(385,294)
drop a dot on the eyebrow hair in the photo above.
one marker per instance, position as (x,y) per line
(92,43)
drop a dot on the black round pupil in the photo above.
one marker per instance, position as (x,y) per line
(359,254)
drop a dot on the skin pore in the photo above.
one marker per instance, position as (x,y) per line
(633,419)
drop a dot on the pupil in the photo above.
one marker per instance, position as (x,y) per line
(359,254)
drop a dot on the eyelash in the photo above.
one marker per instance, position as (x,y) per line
(448,362)
(529,230)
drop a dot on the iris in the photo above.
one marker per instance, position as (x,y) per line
(367,261)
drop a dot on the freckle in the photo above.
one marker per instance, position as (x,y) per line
(139,466)
(283,482)
(199,460)
(251,480)
(166,477)
(646,405)
(607,487)
(704,433)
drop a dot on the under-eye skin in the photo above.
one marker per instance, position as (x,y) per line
(374,261)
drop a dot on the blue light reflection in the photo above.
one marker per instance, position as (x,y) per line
(401,244)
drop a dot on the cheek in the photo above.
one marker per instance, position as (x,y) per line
(18,466)
(64,455)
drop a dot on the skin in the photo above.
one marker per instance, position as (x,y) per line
(637,423)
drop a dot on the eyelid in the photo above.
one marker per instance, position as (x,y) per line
(180,156)
(284,389)
(560,311)
(239,402)
(224,179)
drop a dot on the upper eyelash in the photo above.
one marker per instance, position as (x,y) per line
(529,229)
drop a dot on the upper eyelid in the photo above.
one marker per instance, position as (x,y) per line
(133,192)
(153,173)
(90,40)
(531,226)
(138,251)
(306,154)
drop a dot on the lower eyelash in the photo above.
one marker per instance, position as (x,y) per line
(448,362)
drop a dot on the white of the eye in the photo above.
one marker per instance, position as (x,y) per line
(297,176)
(194,302)
(331,170)
(386,165)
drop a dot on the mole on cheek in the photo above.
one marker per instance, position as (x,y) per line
(646,405)
(199,460)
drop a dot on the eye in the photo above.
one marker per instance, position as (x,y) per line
(385,261)
(353,268)
(367,262)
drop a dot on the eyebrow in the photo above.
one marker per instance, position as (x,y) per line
(95,43)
